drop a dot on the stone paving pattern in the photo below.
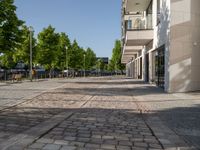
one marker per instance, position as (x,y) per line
(97,113)
(178,111)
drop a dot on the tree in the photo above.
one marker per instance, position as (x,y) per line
(7,60)
(10,33)
(62,57)
(100,64)
(76,56)
(111,65)
(48,44)
(90,58)
(115,63)
(23,51)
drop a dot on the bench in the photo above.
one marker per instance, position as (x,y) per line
(17,77)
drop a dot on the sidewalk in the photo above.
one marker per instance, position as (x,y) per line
(12,94)
(180,112)
(97,113)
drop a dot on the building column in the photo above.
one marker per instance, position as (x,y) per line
(151,67)
(154,11)
(144,69)
(138,68)
(145,19)
(127,70)
(133,66)
(130,70)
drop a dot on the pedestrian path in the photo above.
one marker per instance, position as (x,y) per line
(12,94)
(92,113)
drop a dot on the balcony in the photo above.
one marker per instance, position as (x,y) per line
(137,29)
(136,5)
(129,52)
(141,37)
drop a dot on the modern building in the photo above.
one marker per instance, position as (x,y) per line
(161,42)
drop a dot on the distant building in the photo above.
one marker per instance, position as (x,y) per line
(105,59)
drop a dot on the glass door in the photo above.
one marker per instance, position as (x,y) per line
(159,66)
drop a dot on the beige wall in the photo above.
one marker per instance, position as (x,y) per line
(184,46)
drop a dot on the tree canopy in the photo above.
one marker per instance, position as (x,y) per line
(48,42)
(50,49)
(10,33)
(115,62)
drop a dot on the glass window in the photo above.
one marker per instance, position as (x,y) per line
(129,24)
(149,16)
(158,11)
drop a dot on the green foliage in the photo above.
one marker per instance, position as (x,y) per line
(49,49)
(90,58)
(100,64)
(23,51)
(48,44)
(115,62)
(111,65)
(76,56)
(7,60)
(62,58)
(10,33)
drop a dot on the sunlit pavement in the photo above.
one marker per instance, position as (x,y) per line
(96,113)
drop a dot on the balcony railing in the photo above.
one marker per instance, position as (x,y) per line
(139,23)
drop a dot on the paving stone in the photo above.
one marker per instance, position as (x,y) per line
(51,147)
(107,137)
(123,147)
(77,144)
(94,146)
(61,142)
(37,145)
(68,148)
(107,146)
(125,143)
(111,142)
(140,144)
(80,139)
(45,140)
(69,138)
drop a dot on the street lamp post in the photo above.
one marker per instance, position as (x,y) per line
(99,65)
(84,65)
(31,67)
(67,65)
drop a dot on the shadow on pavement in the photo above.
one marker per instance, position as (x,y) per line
(118,125)
(96,125)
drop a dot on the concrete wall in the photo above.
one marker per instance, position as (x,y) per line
(184,46)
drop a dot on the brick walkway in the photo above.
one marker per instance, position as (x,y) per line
(93,113)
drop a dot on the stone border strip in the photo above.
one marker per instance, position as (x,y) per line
(29,136)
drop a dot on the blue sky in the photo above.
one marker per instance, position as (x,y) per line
(93,23)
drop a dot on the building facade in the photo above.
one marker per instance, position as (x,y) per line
(161,42)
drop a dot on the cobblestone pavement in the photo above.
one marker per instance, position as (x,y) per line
(180,112)
(14,93)
(91,113)
(82,114)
